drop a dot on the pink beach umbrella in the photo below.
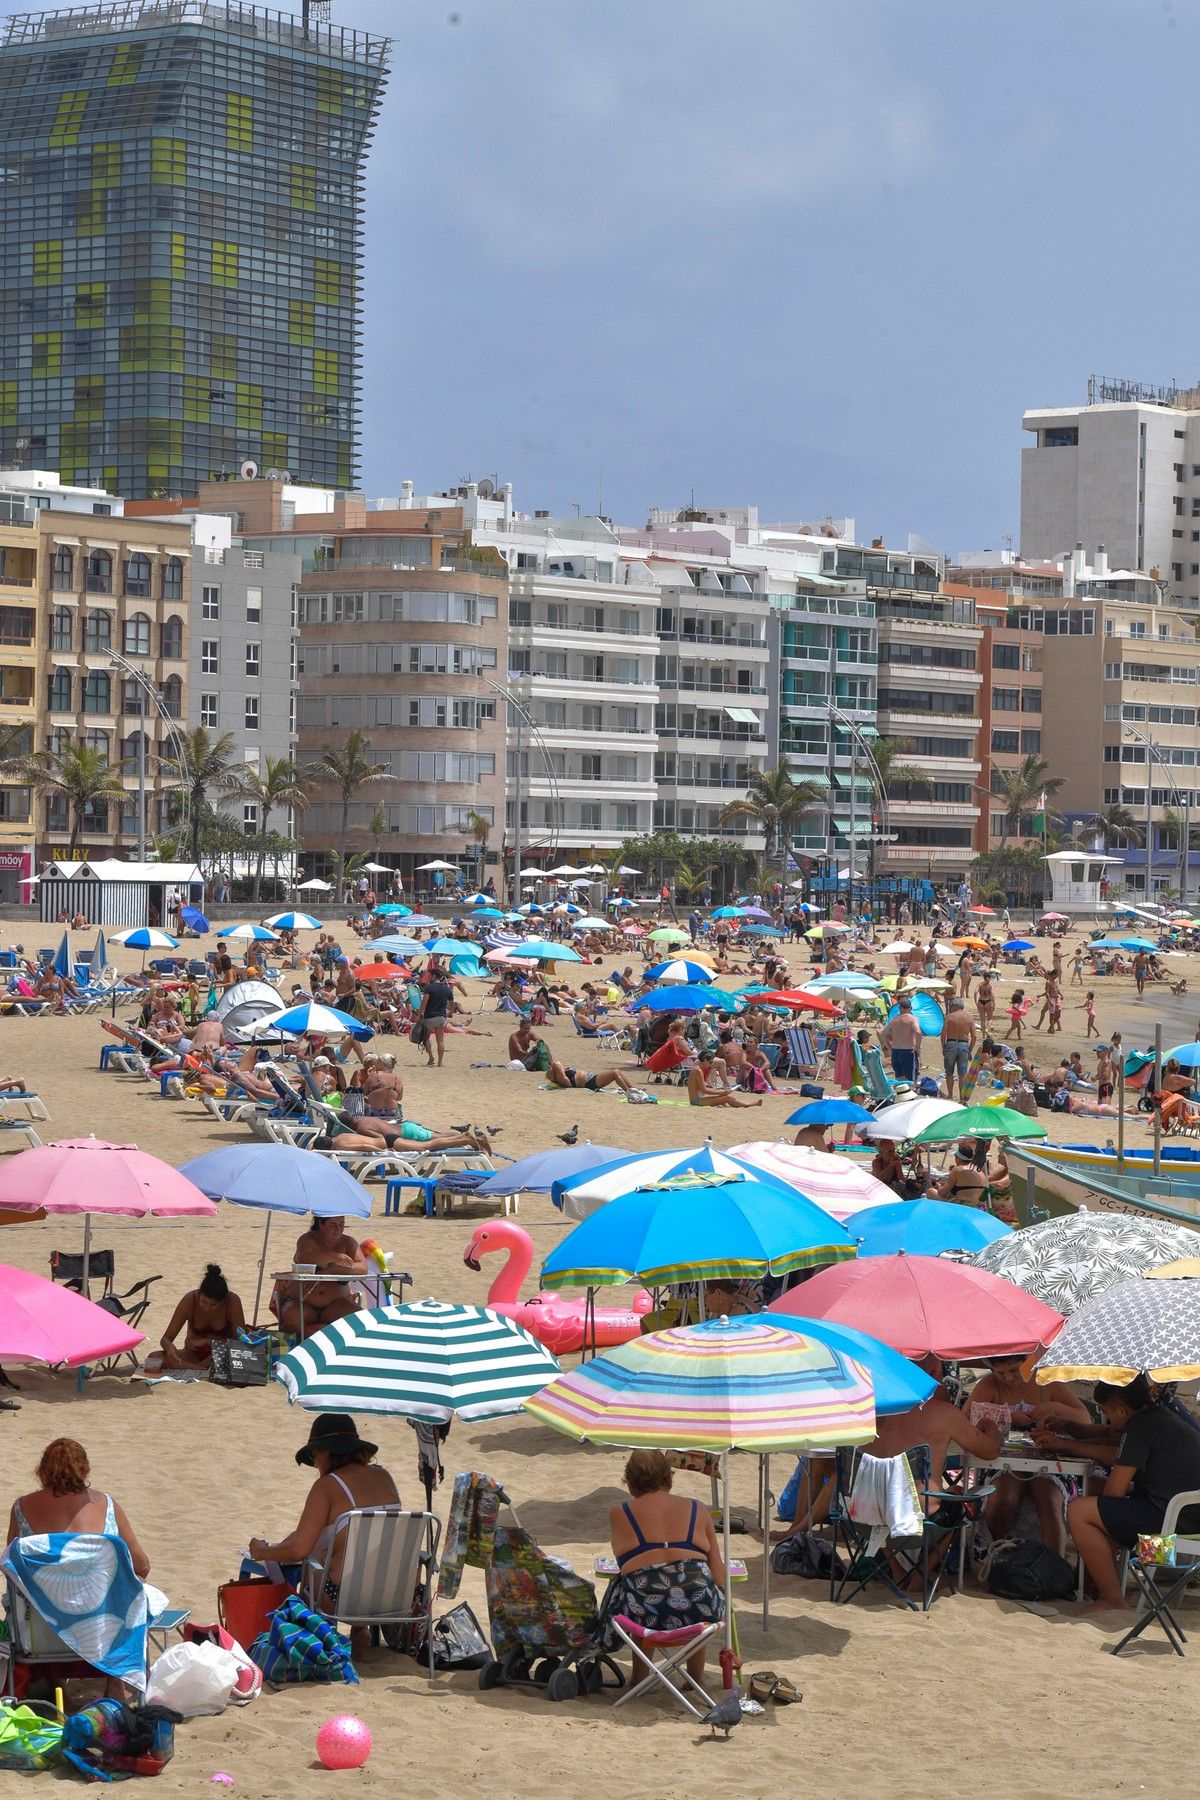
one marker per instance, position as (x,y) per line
(88,1176)
(836,1184)
(41,1322)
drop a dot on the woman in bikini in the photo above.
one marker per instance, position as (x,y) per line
(1007,1398)
(207,1313)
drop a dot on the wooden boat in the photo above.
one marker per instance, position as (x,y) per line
(1061,1177)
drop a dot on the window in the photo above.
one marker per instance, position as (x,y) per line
(137,576)
(99,572)
(210,660)
(97,631)
(172,696)
(253,605)
(253,658)
(1005,699)
(1006,656)
(97,691)
(102,508)
(136,636)
(250,816)
(58,699)
(1031,743)
(251,712)
(1031,699)
(62,628)
(1060,437)
(172,583)
(590,767)
(210,603)
(62,570)
(135,745)
(171,639)
(589,815)
(1006,743)
(208,711)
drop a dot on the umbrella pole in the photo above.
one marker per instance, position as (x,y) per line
(1157,1095)
(87,1252)
(764,1500)
(725,1548)
(262,1264)
(1121,1112)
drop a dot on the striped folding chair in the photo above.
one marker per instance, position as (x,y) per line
(387,1572)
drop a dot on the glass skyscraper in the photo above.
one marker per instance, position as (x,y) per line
(181,195)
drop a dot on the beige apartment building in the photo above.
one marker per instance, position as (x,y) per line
(81,586)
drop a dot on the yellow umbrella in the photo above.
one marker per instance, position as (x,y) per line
(1187,1267)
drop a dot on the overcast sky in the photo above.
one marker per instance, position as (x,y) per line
(817,256)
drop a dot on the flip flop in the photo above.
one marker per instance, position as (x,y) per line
(785,1693)
(763,1685)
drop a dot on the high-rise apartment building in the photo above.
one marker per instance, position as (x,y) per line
(1121,474)
(181,241)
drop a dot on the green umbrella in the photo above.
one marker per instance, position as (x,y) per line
(669,934)
(980,1121)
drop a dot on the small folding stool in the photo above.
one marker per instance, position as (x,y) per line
(1156,1603)
(676,1646)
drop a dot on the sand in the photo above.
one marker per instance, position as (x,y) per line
(979,1692)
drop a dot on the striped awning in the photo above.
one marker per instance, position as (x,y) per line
(426,1360)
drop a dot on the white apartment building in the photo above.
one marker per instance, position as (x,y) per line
(1121,473)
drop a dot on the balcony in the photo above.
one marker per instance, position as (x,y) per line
(544,628)
(692,686)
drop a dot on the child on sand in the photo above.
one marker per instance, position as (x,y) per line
(1018,1006)
(1089,1007)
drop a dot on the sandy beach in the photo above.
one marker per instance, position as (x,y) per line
(977,1692)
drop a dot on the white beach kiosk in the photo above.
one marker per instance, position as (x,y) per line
(123,894)
(1075,878)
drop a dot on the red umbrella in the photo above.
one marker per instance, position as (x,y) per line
(380,971)
(924,1305)
(983,912)
(798,1001)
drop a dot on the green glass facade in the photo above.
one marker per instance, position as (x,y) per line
(181,191)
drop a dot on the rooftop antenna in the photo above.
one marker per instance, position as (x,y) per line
(314,12)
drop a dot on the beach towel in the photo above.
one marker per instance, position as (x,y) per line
(299,1645)
(83,1585)
(885,1497)
(470,1529)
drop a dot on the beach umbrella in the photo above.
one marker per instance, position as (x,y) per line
(478,899)
(510,959)
(446,946)
(795,1000)
(1096,944)
(833,1111)
(668,934)
(99,954)
(847,980)
(925,1228)
(293,921)
(580,1195)
(969,943)
(194,919)
(566,909)
(146,937)
(379,971)
(898,1382)
(445,868)
(728,1384)
(1055,916)
(898,947)
(44,1322)
(419,922)
(620,902)
(537,1174)
(730,912)
(1186,1055)
(1018,944)
(374,868)
(905,1118)
(395,946)
(755,912)
(687,999)
(592,925)
(980,1121)
(989,912)
(275,1178)
(424,1360)
(834,1182)
(316,885)
(392,909)
(1068,1261)
(679,969)
(90,1176)
(541,950)
(925,1306)
(487,912)
(771,931)
(695,1227)
(63,964)
(310,1019)
(1137,943)
(531,909)
(1140,1326)
(255,934)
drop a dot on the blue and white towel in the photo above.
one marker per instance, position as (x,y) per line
(83,1585)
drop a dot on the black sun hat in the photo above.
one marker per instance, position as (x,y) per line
(335,1433)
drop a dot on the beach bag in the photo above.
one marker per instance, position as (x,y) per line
(1023,1100)
(238,1365)
(196,1681)
(418,1033)
(1024,1569)
(1060,1101)
(807,1555)
(248,1685)
(458,1641)
(812,1091)
(927,1086)
(543,1057)
(245,1607)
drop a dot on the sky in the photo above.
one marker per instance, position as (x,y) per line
(816,257)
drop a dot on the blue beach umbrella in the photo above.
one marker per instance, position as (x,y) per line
(396,946)
(487,912)
(680,969)
(729,912)
(830,1112)
(293,921)
(452,947)
(697,1227)
(311,1016)
(392,909)
(541,950)
(478,899)
(1137,943)
(899,1383)
(537,1174)
(579,1195)
(923,1228)
(194,919)
(99,954)
(1018,944)
(256,934)
(1186,1055)
(771,931)
(62,964)
(688,999)
(146,937)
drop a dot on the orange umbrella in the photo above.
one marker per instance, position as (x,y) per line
(798,1001)
(970,943)
(380,971)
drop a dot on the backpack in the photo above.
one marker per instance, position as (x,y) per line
(928,1087)
(1023,1569)
(806,1554)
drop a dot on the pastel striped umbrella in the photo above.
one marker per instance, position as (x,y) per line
(426,1360)
(834,1182)
(729,1384)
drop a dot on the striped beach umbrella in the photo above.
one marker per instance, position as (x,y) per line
(834,1182)
(729,1384)
(426,1360)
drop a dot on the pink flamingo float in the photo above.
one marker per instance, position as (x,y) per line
(559,1324)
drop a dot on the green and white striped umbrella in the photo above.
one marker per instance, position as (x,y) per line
(426,1360)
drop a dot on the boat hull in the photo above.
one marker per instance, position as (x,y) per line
(1082,1176)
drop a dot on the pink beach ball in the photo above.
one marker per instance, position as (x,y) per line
(344,1742)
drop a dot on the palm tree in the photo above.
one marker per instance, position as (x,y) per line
(1116,823)
(1021,790)
(480,830)
(376,829)
(886,753)
(203,764)
(277,783)
(83,777)
(347,767)
(774,804)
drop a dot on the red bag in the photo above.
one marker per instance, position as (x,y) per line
(245,1607)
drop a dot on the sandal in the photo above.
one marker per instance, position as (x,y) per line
(763,1685)
(785,1693)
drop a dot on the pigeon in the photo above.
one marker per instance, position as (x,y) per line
(569,1137)
(725,1713)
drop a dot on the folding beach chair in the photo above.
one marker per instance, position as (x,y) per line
(876,1554)
(803,1052)
(672,1650)
(1156,1603)
(32,1643)
(130,1306)
(879,1083)
(387,1573)
(603,1034)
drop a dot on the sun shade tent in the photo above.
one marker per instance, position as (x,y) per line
(244,1005)
(108,892)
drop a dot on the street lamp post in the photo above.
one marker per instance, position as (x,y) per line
(525,721)
(860,746)
(1184,802)
(146,687)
